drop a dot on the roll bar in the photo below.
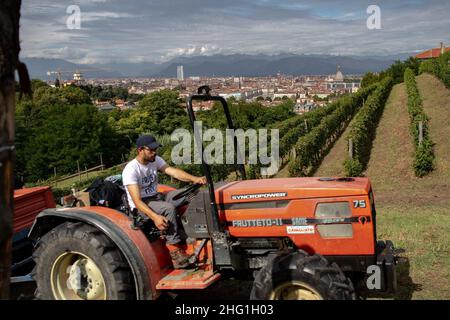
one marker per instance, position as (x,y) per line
(203,94)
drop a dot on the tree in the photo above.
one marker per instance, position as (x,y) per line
(246,115)
(70,95)
(70,133)
(369,79)
(280,112)
(165,110)
(397,69)
(9,62)
(60,126)
(36,83)
(135,123)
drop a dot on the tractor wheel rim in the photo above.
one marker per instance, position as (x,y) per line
(75,276)
(295,290)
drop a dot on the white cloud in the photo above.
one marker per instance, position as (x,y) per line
(201,50)
(104,15)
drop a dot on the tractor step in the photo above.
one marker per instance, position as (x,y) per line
(187,279)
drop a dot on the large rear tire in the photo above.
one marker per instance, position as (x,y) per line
(76,261)
(299,276)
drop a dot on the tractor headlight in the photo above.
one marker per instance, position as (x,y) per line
(334,210)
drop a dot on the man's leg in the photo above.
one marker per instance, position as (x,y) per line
(173,234)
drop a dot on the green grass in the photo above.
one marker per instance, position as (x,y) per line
(69,182)
(424,270)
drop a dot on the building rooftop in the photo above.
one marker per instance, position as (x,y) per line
(432,53)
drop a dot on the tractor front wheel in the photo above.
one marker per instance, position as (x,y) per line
(76,261)
(299,276)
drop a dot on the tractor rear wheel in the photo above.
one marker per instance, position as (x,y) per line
(299,276)
(76,261)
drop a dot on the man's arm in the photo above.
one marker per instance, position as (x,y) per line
(160,222)
(182,175)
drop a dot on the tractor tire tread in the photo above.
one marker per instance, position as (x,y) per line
(314,269)
(103,246)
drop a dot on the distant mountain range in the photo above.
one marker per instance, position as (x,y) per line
(217,65)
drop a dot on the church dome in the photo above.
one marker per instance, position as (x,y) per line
(339,76)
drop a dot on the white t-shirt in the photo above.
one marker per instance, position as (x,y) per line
(146,176)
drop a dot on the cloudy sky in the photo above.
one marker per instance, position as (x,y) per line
(158,30)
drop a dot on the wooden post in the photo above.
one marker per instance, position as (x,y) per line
(9,61)
(306,125)
(79,174)
(420,133)
(101,160)
(56,180)
(350,148)
(7,154)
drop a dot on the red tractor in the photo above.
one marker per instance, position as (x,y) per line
(300,238)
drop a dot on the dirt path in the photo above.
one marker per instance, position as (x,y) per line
(391,156)
(283,172)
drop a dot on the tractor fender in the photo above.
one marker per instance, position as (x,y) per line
(147,260)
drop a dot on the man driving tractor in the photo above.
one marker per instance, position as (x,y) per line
(140,178)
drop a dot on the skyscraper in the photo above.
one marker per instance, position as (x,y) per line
(180,73)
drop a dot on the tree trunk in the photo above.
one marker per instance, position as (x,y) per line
(9,53)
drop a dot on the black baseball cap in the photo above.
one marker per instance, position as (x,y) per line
(147,141)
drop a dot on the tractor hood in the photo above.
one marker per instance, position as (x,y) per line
(291,188)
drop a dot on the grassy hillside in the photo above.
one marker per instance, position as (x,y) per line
(332,164)
(415,212)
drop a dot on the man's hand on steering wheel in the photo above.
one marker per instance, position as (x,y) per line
(199,180)
(187,191)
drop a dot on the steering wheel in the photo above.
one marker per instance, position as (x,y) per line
(192,188)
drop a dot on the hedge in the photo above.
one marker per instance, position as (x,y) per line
(362,130)
(290,131)
(298,128)
(312,147)
(424,155)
